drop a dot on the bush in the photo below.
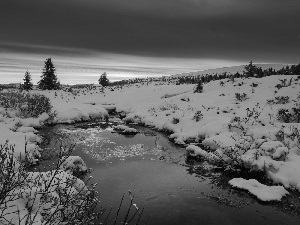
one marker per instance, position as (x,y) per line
(241,97)
(198,116)
(284,115)
(279,100)
(163,107)
(53,197)
(175,120)
(27,105)
(284,83)
(289,115)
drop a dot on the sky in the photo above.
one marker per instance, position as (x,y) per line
(140,38)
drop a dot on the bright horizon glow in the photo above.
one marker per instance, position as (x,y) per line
(87,68)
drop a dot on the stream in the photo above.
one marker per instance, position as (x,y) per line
(171,189)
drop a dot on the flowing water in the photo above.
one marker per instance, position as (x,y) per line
(171,190)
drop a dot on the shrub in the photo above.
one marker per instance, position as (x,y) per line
(284,83)
(198,116)
(175,120)
(27,105)
(251,118)
(279,100)
(28,196)
(289,115)
(253,115)
(241,97)
(284,115)
(53,197)
(168,106)
(254,85)
(296,112)
(37,104)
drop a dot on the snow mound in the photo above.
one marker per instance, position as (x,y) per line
(196,151)
(288,173)
(223,140)
(125,129)
(73,164)
(261,191)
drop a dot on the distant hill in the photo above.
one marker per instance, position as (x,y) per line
(232,69)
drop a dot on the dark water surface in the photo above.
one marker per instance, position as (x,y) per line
(156,173)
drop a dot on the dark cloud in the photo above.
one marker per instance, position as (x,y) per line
(261,30)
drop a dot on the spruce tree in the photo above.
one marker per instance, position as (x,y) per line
(103,80)
(27,85)
(199,87)
(250,69)
(49,79)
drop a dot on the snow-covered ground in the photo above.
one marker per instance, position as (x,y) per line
(236,122)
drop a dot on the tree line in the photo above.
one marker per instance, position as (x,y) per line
(250,70)
(49,80)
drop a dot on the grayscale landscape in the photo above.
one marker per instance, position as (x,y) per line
(149,112)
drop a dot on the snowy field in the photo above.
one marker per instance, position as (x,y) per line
(246,124)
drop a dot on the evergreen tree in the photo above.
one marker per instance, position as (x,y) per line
(199,87)
(49,79)
(250,70)
(27,85)
(103,80)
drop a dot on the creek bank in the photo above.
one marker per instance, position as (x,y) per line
(211,175)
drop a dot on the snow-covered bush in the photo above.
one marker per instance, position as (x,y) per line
(279,100)
(253,115)
(241,97)
(284,115)
(26,105)
(73,164)
(125,129)
(53,197)
(163,107)
(168,106)
(198,116)
(175,120)
(284,83)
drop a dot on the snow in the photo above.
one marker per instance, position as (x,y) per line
(223,140)
(288,172)
(28,201)
(261,191)
(73,164)
(196,150)
(122,129)
(247,131)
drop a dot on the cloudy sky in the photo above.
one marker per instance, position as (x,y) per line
(130,38)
